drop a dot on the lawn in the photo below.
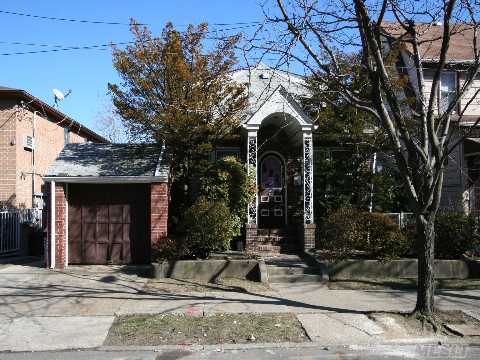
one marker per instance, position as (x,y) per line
(163,329)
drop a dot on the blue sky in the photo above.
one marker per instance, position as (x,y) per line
(87,72)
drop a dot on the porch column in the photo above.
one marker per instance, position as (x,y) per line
(308,221)
(252,169)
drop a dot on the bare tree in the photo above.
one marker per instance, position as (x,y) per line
(397,55)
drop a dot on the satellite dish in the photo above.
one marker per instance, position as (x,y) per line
(59,96)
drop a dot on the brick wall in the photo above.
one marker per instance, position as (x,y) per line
(158,213)
(309,236)
(60,226)
(8,115)
(16,123)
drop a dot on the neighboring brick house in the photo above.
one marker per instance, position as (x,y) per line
(32,134)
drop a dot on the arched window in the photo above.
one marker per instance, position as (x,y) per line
(271,172)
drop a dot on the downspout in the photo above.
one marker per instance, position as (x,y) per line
(34,173)
(52,225)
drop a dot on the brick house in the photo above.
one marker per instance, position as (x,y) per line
(108,204)
(32,134)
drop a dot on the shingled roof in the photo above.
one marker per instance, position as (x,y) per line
(142,161)
(430,39)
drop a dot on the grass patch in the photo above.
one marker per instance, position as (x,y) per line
(172,329)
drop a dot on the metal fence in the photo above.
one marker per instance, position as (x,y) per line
(11,230)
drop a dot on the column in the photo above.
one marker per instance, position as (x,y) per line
(252,169)
(307,178)
(308,221)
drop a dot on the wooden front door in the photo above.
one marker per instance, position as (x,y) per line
(271,206)
(107,224)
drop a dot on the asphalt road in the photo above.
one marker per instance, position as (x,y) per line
(307,353)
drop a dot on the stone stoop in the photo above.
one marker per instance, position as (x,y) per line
(292,270)
(276,241)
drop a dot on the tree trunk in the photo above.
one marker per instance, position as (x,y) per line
(426,277)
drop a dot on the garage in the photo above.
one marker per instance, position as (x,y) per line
(108,204)
(108,224)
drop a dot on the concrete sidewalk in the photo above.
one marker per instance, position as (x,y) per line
(38,304)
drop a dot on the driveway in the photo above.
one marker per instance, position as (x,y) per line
(42,309)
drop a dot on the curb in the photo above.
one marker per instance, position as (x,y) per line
(289,345)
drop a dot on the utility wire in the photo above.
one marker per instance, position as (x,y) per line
(64,19)
(60,48)
(83,21)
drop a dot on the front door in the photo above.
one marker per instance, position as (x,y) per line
(271,206)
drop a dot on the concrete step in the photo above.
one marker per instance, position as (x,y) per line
(277,232)
(291,270)
(295,278)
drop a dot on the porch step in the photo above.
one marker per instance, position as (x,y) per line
(295,278)
(292,269)
(287,231)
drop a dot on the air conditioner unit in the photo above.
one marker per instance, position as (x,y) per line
(29,143)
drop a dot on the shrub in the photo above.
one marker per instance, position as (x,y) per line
(385,239)
(348,231)
(209,226)
(343,232)
(456,234)
(227,180)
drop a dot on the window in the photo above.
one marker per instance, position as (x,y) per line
(448,90)
(65,136)
(223,152)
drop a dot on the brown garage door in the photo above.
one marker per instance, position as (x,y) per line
(107,224)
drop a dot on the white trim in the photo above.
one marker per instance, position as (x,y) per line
(52,225)
(280,101)
(259,178)
(66,225)
(106,179)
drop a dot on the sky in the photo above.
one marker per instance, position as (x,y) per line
(87,72)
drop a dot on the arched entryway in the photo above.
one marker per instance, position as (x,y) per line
(279,154)
(272,191)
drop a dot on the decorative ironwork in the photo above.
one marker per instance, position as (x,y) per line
(308,180)
(252,166)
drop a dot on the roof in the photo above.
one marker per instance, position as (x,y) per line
(430,39)
(90,160)
(50,110)
(262,81)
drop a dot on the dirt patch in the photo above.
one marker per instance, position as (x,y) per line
(402,284)
(169,285)
(163,329)
(409,325)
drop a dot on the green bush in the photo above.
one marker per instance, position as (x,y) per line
(343,232)
(209,226)
(455,235)
(385,239)
(347,232)
(227,180)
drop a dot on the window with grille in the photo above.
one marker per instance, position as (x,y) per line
(448,90)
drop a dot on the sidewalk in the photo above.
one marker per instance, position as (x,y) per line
(45,310)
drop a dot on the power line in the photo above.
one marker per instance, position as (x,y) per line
(61,48)
(102,22)
(65,19)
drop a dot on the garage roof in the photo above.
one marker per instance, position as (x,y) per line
(114,162)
